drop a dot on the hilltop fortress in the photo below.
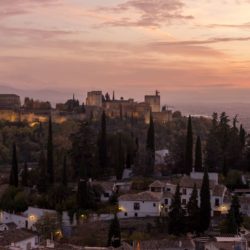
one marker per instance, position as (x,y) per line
(115,108)
(34,111)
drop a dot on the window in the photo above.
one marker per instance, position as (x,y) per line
(168,189)
(154,204)
(184,191)
(126,214)
(217,202)
(106,195)
(184,202)
(136,215)
(166,201)
(136,206)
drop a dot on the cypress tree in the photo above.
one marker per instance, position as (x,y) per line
(231,226)
(234,218)
(176,215)
(25,175)
(14,168)
(193,211)
(242,137)
(120,159)
(235,207)
(84,152)
(103,154)
(114,236)
(50,157)
(64,172)
(198,155)
(42,182)
(189,148)
(128,160)
(85,195)
(150,147)
(205,204)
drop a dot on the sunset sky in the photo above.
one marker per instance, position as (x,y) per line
(191,50)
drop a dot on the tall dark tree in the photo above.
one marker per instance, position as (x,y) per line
(189,148)
(120,161)
(84,152)
(234,218)
(65,172)
(193,212)
(114,236)
(14,168)
(230,223)
(103,154)
(242,137)
(176,215)
(205,204)
(198,155)
(25,175)
(214,155)
(42,182)
(128,160)
(150,147)
(50,152)
(235,206)
(85,195)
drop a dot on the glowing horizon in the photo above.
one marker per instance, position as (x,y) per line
(181,47)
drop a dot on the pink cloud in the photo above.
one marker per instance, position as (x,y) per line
(152,13)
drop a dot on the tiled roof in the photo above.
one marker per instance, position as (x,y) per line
(244,199)
(143,196)
(157,184)
(167,195)
(13,236)
(166,244)
(188,182)
(106,185)
(223,245)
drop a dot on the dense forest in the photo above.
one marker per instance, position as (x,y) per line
(54,158)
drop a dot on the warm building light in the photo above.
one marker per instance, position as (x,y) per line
(33,124)
(224,209)
(32,218)
(122,209)
(58,234)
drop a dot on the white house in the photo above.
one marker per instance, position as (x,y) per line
(26,219)
(245,205)
(158,199)
(19,240)
(218,193)
(140,205)
(219,243)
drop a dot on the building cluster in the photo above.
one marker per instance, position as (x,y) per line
(35,110)
(115,108)
(157,200)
